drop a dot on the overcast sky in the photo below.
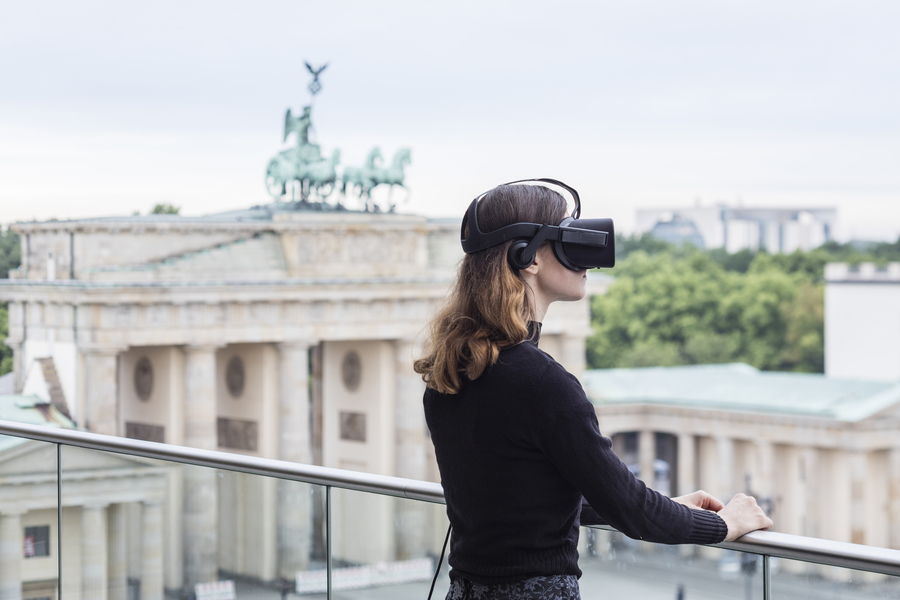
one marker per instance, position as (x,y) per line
(110,107)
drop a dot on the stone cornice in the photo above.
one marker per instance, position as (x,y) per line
(777,428)
(74,292)
(281,222)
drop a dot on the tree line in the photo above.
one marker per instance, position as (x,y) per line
(10,258)
(679,305)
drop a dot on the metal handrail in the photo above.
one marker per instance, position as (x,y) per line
(782,545)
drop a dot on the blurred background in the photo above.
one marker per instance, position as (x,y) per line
(109,108)
(156,281)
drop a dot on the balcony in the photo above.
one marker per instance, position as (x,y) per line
(84,515)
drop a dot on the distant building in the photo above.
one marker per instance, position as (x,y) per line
(736,228)
(862,321)
(100,492)
(821,454)
(277,333)
(678,231)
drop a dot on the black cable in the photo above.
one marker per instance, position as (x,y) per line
(438,570)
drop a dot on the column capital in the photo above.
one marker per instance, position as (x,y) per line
(202,347)
(13,343)
(102,349)
(301,344)
(153,502)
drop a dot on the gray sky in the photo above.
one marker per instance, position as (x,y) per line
(111,107)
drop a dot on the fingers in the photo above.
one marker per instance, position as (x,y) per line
(710,502)
(701,500)
(743,515)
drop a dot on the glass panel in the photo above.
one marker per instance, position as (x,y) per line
(616,566)
(800,580)
(145,528)
(387,547)
(29,556)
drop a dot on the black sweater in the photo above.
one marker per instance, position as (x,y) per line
(519,451)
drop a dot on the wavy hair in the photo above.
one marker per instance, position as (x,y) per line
(486,310)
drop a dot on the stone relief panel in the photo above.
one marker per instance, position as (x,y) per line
(237,434)
(235,377)
(145,432)
(351,370)
(143,378)
(353,426)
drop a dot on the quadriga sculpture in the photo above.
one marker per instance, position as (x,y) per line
(318,176)
(362,177)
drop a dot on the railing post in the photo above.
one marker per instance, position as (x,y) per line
(328,541)
(766,592)
(59,536)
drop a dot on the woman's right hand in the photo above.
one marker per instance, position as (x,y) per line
(743,515)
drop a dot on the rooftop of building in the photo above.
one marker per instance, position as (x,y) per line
(866,272)
(32,411)
(259,215)
(742,388)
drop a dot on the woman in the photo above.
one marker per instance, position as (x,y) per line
(518,444)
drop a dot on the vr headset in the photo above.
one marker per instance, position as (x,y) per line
(577,243)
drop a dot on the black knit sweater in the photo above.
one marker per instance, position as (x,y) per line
(519,451)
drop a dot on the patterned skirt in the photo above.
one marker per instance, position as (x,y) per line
(553,587)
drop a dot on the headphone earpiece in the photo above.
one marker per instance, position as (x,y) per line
(516,257)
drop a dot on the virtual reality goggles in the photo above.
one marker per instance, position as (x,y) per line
(577,243)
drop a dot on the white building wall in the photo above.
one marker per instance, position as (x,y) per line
(862,322)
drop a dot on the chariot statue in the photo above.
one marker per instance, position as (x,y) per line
(302,176)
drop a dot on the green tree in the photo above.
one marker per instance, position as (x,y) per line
(689,308)
(10,258)
(10,252)
(6,355)
(165,209)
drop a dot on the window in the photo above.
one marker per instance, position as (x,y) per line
(37,541)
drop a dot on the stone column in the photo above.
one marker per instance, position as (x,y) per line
(859,467)
(152,552)
(200,484)
(18,360)
(894,496)
(117,576)
(646,456)
(572,354)
(764,483)
(11,539)
(409,418)
(101,393)
(93,552)
(411,458)
(725,469)
(792,502)
(810,459)
(687,464)
(295,445)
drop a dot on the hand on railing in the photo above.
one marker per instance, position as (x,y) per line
(701,500)
(742,515)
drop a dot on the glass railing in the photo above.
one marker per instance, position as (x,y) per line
(85,516)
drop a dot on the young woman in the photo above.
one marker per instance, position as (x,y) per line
(522,460)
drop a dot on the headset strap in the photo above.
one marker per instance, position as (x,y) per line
(480,241)
(553,233)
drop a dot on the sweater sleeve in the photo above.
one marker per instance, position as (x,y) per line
(565,427)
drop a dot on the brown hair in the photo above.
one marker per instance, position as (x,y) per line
(486,310)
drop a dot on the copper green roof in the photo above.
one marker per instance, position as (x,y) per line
(742,388)
(31,410)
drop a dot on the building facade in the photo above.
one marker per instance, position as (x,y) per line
(822,455)
(862,321)
(278,333)
(737,228)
